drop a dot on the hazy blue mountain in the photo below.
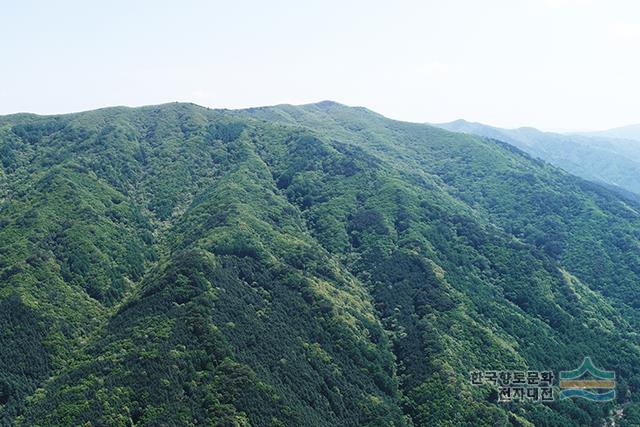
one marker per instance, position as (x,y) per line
(611,161)
(631,132)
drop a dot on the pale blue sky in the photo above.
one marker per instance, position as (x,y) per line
(572,64)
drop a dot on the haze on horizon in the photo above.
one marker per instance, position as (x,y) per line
(552,64)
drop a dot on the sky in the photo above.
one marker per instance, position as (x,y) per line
(552,64)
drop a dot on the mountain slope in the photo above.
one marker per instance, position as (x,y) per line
(310,265)
(598,157)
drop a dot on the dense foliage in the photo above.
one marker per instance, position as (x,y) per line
(314,265)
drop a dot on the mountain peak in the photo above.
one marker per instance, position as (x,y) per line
(328,104)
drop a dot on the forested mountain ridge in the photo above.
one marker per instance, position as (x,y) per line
(299,265)
(609,157)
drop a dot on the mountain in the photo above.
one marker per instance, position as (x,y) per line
(316,265)
(626,132)
(599,157)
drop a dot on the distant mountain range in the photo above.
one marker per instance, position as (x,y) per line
(605,157)
(626,132)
